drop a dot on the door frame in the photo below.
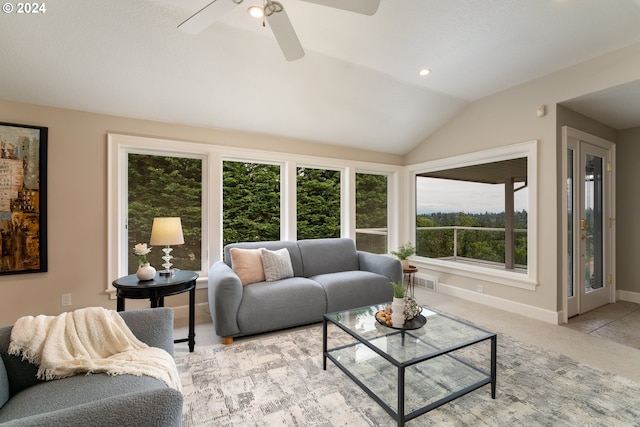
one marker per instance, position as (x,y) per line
(610,276)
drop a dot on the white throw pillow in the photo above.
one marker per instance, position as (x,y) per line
(277,264)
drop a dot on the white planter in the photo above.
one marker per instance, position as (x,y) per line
(397,312)
(145,272)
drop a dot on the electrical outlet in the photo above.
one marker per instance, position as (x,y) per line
(480,289)
(65,300)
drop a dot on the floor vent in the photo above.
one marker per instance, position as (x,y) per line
(427,281)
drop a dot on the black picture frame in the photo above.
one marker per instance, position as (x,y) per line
(23,198)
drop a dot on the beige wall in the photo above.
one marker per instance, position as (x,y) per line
(509,117)
(627,210)
(77,198)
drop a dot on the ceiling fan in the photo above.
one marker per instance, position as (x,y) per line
(277,18)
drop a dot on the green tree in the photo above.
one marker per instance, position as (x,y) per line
(318,204)
(251,202)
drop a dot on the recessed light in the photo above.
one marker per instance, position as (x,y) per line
(424,72)
(256,11)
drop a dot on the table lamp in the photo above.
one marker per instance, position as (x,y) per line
(166,232)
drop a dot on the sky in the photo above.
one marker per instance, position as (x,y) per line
(442,195)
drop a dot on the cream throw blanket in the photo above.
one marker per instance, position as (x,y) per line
(89,340)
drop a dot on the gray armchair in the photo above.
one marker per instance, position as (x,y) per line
(92,400)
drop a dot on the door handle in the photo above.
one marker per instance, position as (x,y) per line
(583,225)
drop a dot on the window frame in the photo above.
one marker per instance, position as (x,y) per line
(119,148)
(120,145)
(527,149)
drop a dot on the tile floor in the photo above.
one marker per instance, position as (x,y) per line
(618,322)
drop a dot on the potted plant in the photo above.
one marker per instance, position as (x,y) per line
(399,289)
(404,252)
(397,306)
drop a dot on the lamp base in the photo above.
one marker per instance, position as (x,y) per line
(167,272)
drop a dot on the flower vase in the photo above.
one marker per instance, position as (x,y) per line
(397,312)
(145,272)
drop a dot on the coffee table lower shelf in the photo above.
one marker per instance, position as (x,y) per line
(422,383)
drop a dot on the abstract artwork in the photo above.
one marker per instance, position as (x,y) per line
(23,199)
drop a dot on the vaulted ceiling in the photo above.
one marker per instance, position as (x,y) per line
(356,86)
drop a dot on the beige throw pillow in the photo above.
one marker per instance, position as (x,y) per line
(277,264)
(247,264)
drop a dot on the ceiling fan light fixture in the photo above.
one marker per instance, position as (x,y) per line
(256,11)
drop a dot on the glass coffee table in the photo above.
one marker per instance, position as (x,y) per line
(410,371)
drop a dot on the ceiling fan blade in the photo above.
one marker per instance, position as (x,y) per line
(285,35)
(206,16)
(365,7)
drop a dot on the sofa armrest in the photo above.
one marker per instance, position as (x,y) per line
(152,326)
(159,407)
(225,295)
(381,264)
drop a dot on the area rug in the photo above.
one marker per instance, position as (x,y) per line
(277,380)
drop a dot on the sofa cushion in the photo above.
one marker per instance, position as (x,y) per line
(54,395)
(247,264)
(268,306)
(277,264)
(322,256)
(351,289)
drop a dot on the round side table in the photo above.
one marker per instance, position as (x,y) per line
(156,289)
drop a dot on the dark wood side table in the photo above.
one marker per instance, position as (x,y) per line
(156,289)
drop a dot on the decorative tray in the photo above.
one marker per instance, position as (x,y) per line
(416,323)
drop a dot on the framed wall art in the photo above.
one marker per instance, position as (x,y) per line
(23,198)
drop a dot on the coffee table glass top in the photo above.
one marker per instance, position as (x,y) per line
(441,334)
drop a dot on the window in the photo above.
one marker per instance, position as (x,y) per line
(160,186)
(227,194)
(477,211)
(371,213)
(250,202)
(318,203)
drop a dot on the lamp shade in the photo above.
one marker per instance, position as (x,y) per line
(166,231)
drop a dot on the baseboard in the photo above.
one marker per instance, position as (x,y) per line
(628,296)
(502,304)
(181,313)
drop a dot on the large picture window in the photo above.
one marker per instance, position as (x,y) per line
(478,210)
(165,186)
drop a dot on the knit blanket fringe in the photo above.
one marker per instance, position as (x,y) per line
(88,340)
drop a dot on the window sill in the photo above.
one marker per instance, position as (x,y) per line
(521,280)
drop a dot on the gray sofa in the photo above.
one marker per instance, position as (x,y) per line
(92,400)
(328,275)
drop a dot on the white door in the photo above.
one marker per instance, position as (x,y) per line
(589,222)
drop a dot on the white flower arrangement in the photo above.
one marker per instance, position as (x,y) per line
(141,250)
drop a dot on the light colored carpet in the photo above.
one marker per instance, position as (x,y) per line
(277,379)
